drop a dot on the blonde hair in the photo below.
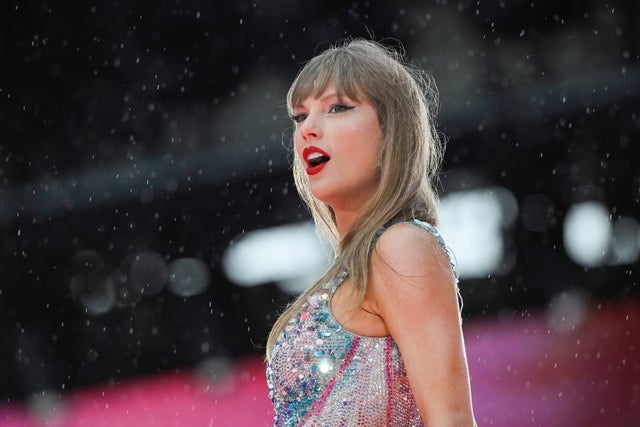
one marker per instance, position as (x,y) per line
(405,100)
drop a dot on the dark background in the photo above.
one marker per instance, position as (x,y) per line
(159,127)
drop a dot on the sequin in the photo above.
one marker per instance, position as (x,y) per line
(322,375)
(325,365)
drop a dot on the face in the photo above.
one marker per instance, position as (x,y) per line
(338,142)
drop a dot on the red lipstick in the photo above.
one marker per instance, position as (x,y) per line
(315,158)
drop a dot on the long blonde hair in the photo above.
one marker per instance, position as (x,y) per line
(405,100)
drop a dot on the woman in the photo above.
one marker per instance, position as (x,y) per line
(377,341)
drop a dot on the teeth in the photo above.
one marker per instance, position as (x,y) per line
(313,156)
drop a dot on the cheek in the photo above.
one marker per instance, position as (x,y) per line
(374,146)
(297,146)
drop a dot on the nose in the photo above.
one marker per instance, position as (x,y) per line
(309,129)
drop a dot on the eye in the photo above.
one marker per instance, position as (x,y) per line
(298,118)
(339,108)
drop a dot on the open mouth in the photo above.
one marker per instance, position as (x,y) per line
(316,159)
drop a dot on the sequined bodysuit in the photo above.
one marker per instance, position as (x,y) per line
(323,375)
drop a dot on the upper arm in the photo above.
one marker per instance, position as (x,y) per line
(413,290)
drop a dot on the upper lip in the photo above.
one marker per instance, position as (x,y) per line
(308,151)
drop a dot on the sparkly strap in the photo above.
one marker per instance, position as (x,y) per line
(337,281)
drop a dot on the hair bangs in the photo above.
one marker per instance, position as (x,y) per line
(332,67)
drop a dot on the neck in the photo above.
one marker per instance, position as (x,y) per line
(345,221)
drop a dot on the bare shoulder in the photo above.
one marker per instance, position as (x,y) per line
(410,250)
(412,290)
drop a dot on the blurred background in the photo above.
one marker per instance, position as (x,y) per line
(151,231)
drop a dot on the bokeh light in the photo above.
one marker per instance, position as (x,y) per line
(148,273)
(475,225)
(587,233)
(625,241)
(91,285)
(292,256)
(188,277)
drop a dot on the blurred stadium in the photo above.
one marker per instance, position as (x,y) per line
(151,231)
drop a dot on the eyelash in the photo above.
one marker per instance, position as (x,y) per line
(299,118)
(342,106)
